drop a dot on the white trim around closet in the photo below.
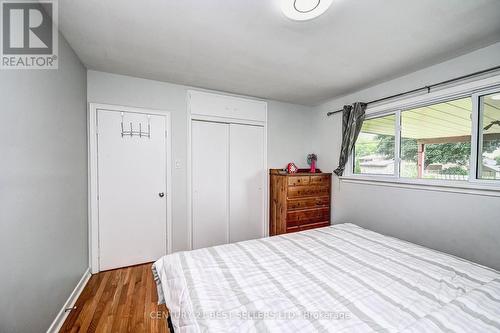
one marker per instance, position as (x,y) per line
(229,120)
(93,216)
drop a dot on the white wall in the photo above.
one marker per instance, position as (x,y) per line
(289,134)
(43,191)
(288,130)
(461,224)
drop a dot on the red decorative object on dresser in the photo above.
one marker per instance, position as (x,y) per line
(299,201)
(291,168)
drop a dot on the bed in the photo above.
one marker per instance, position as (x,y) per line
(341,278)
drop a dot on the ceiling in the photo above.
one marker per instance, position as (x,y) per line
(248,47)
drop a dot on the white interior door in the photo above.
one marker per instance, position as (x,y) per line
(209,149)
(247,182)
(132,189)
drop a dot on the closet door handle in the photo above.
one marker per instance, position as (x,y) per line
(161,194)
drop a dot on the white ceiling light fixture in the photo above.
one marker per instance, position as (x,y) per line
(303,10)
(496,97)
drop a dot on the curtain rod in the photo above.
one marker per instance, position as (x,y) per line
(428,88)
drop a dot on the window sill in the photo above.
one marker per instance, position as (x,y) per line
(466,187)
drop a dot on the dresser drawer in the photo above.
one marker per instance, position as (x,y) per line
(320,180)
(292,223)
(298,180)
(308,216)
(308,191)
(314,225)
(305,203)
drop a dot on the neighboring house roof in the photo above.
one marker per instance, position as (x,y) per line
(376,163)
(491,165)
(487,168)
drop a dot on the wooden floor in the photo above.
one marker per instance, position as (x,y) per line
(122,300)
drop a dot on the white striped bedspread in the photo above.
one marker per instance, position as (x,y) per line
(341,278)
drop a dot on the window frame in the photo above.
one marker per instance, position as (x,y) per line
(474,90)
(397,133)
(476,140)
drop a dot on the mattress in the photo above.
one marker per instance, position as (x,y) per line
(341,278)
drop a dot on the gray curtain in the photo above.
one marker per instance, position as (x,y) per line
(352,120)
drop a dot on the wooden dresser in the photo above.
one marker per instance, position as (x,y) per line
(299,201)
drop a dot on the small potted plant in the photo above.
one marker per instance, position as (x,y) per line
(311,160)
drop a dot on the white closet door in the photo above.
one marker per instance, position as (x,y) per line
(210,216)
(247,179)
(132,186)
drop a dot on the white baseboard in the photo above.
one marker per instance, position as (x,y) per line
(61,316)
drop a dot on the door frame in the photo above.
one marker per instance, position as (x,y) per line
(225,120)
(93,203)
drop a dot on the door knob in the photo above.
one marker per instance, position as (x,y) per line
(161,194)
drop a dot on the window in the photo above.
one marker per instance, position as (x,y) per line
(489,137)
(436,141)
(446,143)
(374,149)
